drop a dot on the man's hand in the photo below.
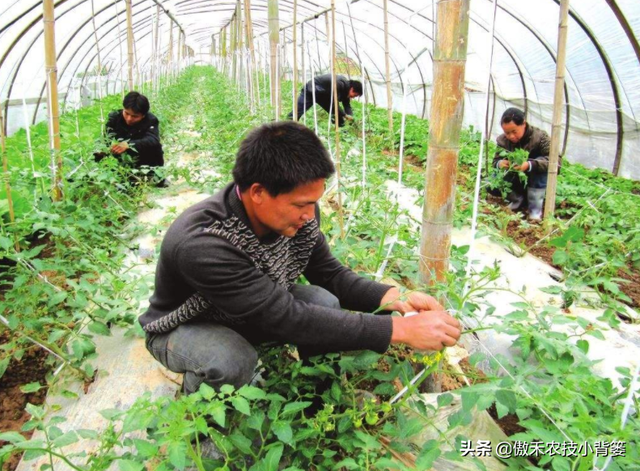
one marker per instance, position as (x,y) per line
(348,117)
(120,147)
(522,168)
(415,302)
(429,330)
(504,164)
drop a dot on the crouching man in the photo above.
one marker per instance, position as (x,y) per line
(227,272)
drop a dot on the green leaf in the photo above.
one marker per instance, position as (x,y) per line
(369,442)
(57,298)
(227,389)
(99,328)
(241,405)
(31,388)
(111,414)
(469,400)
(241,442)
(501,409)
(218,412)
(283,431)
(507,398)
(67,439)
(5,242)
(560,257)
(4,364)
(366,359)
(583,345)
(178,454)
(207,391)
(272,460)
(145,449)
(294,407)
(130,465)
(251,392)
(350,463)
(444,400)
(429,453)
(256,420)
(11,437)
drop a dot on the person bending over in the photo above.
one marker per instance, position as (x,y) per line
(228,266)
(137,133)
(518,134)
(347,89)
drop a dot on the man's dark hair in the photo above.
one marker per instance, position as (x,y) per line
(281,156)
(136,102)
(357,86)
(512,115)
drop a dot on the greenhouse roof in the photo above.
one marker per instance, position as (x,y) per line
(602,87)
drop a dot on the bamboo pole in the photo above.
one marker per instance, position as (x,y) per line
(294,88)
(240,36)
(387,66)
(447,107)
(234,48)
(558,102)
(336,114)
(7,183)
(274,38)
(252,53)
(51,71)
(130,42)
(223,49)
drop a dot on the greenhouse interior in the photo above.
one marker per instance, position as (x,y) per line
(423,220)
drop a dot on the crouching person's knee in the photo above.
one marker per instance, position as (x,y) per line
(237,370)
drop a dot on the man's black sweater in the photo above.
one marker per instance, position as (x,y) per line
(213,265)
(143,138)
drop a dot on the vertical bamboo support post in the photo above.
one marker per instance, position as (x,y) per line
(7,183)
(295,59)
(387,66)
(336,113)
(558,102)
(447,109)
(274,38)
(130,42)
(241,43)
(234,47)
(252,53)
(51,71)
(223,49)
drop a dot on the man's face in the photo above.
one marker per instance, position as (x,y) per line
(286,213)
(353,93)
(514,132)
(131,117)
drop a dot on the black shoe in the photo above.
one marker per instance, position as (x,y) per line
(162,183)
